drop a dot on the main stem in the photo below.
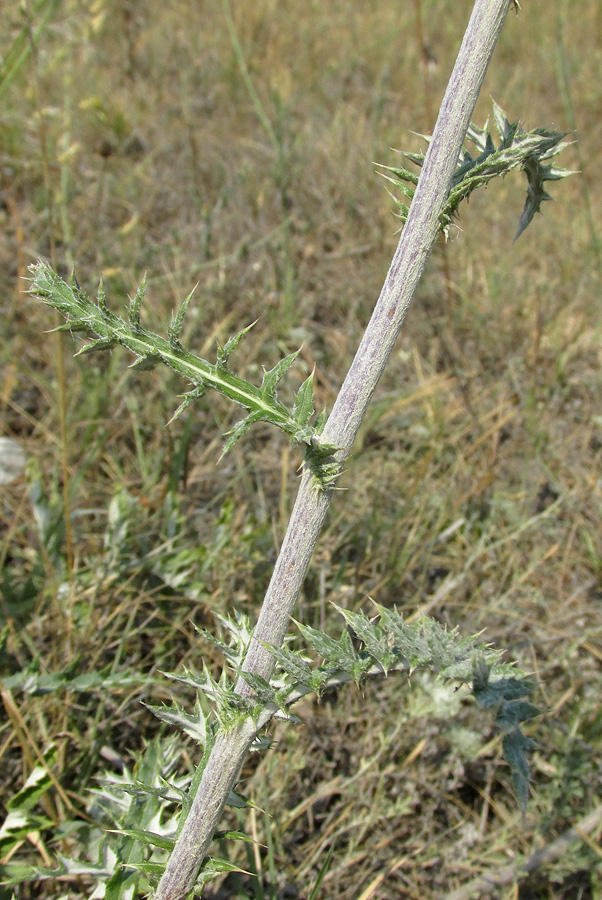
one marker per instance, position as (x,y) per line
(414,248)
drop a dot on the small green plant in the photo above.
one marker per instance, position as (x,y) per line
(263,678)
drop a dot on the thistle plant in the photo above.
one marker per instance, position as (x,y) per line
(263,677)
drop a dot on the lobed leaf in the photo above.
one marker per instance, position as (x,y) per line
(304,402)
(272,378)
(195,726)
(136,303)
(517,148)
(150,838)
(372,636)
(295,666)
(108,330)
(177,321)
(516,746)
(223,353)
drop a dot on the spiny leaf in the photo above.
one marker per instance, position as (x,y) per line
(38,782)
(233,836)
(321,461)
(500,690)
(266,694)
(513,713)
(71,327)
(304,402)
(371,635)
(94,346)
(223,353)
(517,148)
(239,430)
(338,653)
(177,321)
(136,303)
(320,422)
(170,792)
(393,644)
(145,363)
(536,193)
(188,399)
(149,868)
(292,663)
(406,639)
(272,378)
(149,348)
(229,708)
(150,838)
(386,644)
(195,726)
(262,689)
(237,801)
(240,633)
(214,866)
(101,297)
(516,746)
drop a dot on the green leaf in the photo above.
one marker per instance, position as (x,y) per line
(237,801)
(136,303)
(321,461)
(149,868)
(292,663)
(145,363)
(189,398)
(150,348)
(95,346)
(239,430)
(502,690)
(38,782)
(195,726)
(516,747)
(263,690)
(213,867)
(177,321)
(518,148)
(240,633)
(272,378)
(304,402)
(371,635)
(149,838)
(120,884)
(320,422)
(223,353)
(229,707)
(338,653)
(234,836)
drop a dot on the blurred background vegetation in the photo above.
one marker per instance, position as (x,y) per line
(236,147)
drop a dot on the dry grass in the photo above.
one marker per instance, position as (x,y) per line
(129,142)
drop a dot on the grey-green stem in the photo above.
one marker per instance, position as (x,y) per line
(311,506)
